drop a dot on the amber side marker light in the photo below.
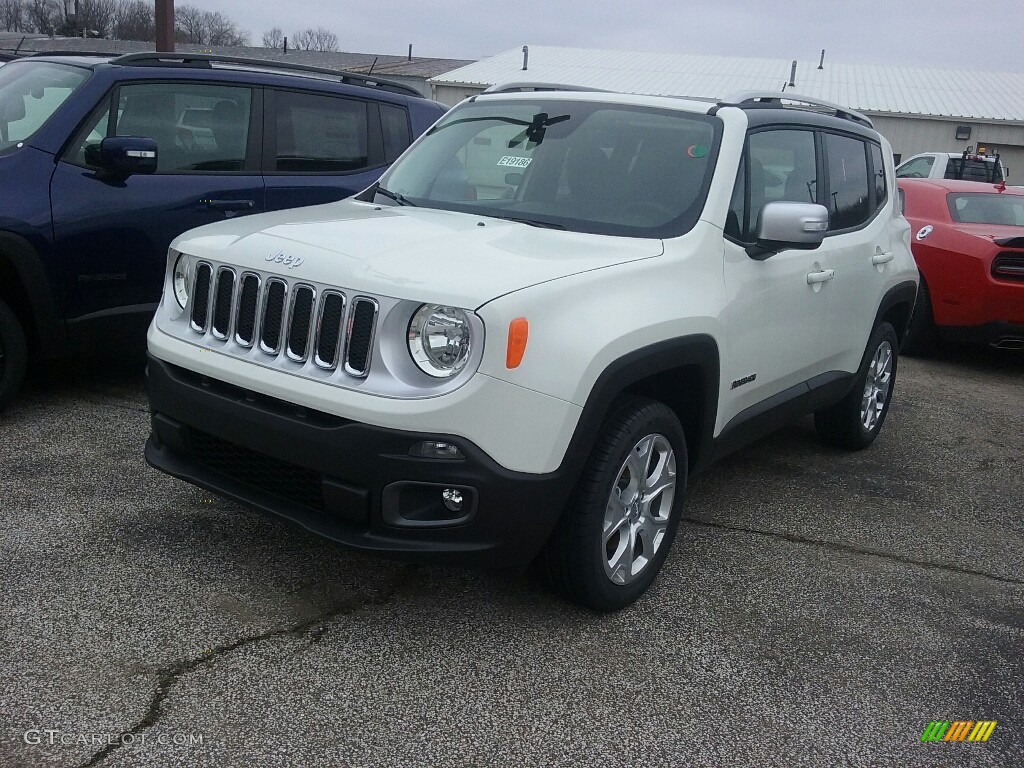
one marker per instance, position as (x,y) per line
(518,332)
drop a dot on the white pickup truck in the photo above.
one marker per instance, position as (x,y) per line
(953,165)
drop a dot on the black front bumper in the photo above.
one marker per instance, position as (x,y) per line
(351,482)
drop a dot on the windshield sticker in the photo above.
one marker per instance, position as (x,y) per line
(697,150)
(511,161)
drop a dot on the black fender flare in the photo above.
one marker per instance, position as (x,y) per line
(697,350)
(901,293)
(18,256)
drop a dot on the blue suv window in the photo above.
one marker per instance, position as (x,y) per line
(318,133)
(29,93)
(394,123)
(198,128)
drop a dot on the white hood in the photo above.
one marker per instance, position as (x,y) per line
(460,259)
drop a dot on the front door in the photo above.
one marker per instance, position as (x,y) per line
(778,307)
(113,232)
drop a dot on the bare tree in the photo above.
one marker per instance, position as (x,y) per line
(134,20)
(221,30)
(12,16)
(95,17)
(193,25)
(273,38)
(319,39)
(43,16)
(189,24)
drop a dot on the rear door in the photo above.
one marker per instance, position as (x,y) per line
(113,232)
(323,147)
(860,245)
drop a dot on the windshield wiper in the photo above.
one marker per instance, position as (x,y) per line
(533,222)
(398,197)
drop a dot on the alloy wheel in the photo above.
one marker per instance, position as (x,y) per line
(876,386)
(636,517)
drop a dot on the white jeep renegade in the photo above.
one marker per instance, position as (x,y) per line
(550,312)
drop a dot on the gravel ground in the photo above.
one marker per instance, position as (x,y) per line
(818,609)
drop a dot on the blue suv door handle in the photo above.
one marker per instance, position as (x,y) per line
(230,205)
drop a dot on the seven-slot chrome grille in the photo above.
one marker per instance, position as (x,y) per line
(293,320)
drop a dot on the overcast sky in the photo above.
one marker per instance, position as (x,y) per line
(939,33)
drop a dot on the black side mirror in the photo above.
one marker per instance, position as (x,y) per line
(123,155)
(785,225)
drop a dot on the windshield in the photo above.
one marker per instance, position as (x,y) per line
(581,166)
(29,93)
(987,208)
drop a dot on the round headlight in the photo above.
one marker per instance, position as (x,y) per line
(439,339)
(180,280)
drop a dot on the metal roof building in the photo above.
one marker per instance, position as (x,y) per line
(411,70)
(917,109)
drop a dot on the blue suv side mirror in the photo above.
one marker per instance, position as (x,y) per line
(123,155)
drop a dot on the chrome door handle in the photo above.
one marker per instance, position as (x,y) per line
(820,277)
(882,258)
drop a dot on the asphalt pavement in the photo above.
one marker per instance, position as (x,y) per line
(819,608)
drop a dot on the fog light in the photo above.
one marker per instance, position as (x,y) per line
(452,499)
(431,449)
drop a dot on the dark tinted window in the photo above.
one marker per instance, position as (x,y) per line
(878,175)
(781,166)
(984,208)
(394,123)
(196,127)
(973,170)
(848,194)
(318,133)
(735,221)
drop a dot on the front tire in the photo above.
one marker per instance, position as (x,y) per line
(615,534)
(13,355)
(855,421)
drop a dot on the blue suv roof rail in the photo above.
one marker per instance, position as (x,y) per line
(207,60)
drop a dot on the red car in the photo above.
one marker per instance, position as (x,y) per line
(968,241)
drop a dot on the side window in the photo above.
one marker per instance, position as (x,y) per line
(918,168)
(736,219)
(878,175)
(394,122)
(781,166)
(848,200)
(317,133)
(196,127)
(90,134)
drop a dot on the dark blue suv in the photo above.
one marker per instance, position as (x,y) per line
(103,161)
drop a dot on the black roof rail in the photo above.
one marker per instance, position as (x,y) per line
(207,60)
(64,52)
(774,99)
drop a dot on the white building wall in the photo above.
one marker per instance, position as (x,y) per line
(452,94)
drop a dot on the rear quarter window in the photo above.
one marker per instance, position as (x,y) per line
(317,133)
(849,193)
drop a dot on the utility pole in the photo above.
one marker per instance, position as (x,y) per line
(165,25)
